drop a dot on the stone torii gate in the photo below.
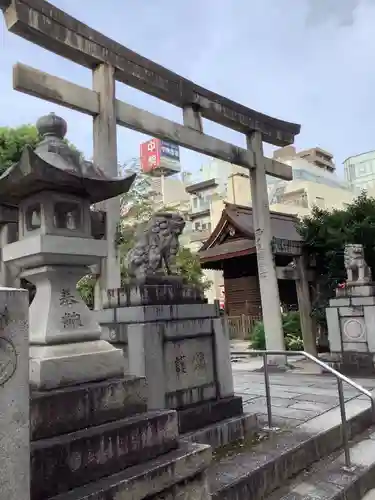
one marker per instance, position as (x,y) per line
(43,24)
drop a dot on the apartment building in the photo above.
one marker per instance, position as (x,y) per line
(314,183)
(359,171)
(315,156)
(211,185)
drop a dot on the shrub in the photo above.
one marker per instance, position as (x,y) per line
(292,333)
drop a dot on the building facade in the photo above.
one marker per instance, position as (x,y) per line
(359,171)
(315,156)
(314,183)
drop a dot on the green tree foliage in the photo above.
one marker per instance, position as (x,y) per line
(12,142)
(325,235)
(292,333)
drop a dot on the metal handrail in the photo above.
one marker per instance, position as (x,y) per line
(339,377)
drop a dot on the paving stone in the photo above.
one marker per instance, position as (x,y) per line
(340,477)
(281,412)
(319,398)
(307,491)
(296,396)
(312,406)
(333,417)
(247,397)
(275,391)
(279,422)
(275,401)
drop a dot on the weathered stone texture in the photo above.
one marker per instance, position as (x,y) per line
(71,460)
(77,407)
(14,395)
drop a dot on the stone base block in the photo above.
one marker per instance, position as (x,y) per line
(71,460)
(354,364)
(147,314)
(225,432)
(153,291)
(356,290)
(56,366)
(178,474)
(77,407)
(200,415)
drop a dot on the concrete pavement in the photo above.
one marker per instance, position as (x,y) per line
(297,396)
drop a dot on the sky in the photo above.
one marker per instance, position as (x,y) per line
(306,61)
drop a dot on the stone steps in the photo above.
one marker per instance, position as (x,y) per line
(259,471)
(329,479)
(71,460)
(148,480)
(228,430)
(57,412)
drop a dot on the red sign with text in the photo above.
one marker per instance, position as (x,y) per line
(150,155)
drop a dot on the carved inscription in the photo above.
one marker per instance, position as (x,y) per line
(180,364)
(8,360)
(189,364)
(71,320)
(262,269)
(199,361)
(4,318)
(67,299)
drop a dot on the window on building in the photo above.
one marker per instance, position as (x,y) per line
(362,168)
(195,202)
(319,201)
(197,226)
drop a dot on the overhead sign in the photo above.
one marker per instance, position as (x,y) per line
(169,150)
(150,155)
(160,157)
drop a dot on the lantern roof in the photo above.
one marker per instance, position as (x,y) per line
(56,166)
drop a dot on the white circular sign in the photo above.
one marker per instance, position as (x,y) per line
(354,329)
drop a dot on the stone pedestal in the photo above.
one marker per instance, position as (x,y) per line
(97,441)
(14,395)
(65,345)
(183,351)
(351,320)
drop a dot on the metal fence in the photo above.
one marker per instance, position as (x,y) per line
(240,327)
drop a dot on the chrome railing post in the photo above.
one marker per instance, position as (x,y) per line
(268,392)
(373,409)
(345,434)
(339,377)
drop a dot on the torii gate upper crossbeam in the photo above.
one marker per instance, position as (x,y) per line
(42,23)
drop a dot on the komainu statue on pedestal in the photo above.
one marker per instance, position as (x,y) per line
(156,246)
(357,270)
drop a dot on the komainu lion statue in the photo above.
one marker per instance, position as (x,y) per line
(156,246)
(356,268)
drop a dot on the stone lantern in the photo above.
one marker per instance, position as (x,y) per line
(53,189)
